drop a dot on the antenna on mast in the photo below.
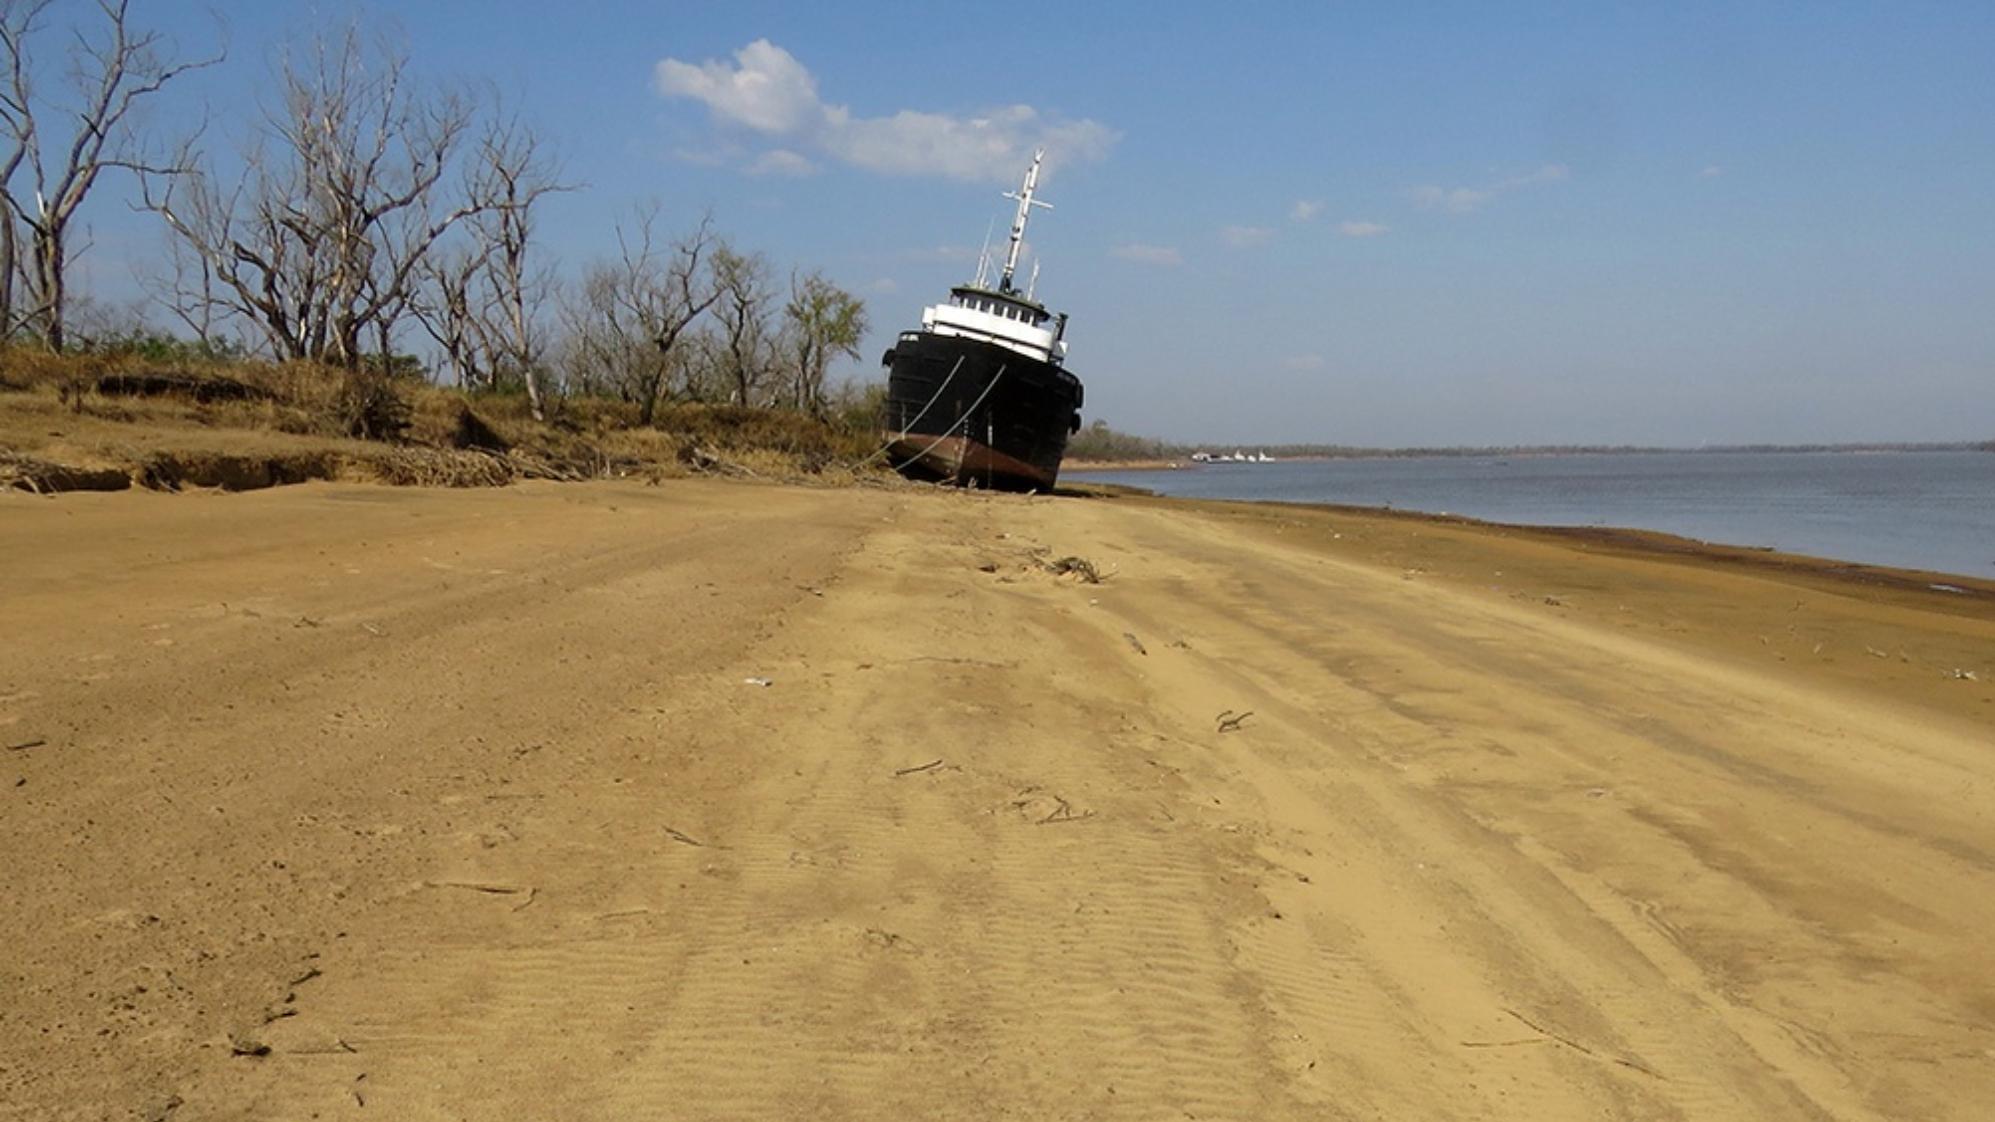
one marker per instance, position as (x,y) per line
(1025,204)
(984,255)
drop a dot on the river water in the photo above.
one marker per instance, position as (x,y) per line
(1918,510)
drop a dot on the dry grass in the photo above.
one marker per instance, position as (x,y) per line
(240,425)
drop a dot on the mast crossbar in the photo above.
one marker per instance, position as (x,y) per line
(1025,204)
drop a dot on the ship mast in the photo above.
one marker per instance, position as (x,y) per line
(1025,204)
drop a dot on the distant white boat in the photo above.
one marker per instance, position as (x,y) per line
(1234,457)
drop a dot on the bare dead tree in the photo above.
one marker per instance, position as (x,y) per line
(186,291)
(646,295)
(482,300)
(821,322)
(741,281)
(606,349)
(512,177)
(113,72)
(446,309)
(702,364)
(676,299)
(610,322)
(17,22)
(319,242)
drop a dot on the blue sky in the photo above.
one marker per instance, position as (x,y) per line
(1376,224)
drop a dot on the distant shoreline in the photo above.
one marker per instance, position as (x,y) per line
(1280,453)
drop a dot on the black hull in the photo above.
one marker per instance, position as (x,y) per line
(975,413)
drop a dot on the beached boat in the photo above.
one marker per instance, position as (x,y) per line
(980,395)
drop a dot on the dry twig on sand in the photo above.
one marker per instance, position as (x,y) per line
(929,766)
(1231,722)
(479,886)
(1135,642)
(686,839)
(1079,566)
(1064,813)
(1577,1046)
(890,940)
(962,661)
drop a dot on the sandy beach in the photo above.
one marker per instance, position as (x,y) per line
(720,800)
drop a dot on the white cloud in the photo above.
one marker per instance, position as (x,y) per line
(1362,229)
(1305,209)
(766,90)
(1245,237)
(1711,171)
(1303,362)
(993,146)
(781,161)
(1148,254)
(1461,200)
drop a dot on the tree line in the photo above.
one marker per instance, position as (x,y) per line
(365,208)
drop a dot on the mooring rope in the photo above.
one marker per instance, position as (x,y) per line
(918,416)
(963,418)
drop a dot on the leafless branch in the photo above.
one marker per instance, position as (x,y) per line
(113,72)
(322,239)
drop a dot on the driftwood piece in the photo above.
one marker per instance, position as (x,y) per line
(44,478)
(703,460)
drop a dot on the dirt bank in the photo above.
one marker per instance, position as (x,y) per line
(713,800)
(90,422)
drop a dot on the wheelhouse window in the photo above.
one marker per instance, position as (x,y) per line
(997,306)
